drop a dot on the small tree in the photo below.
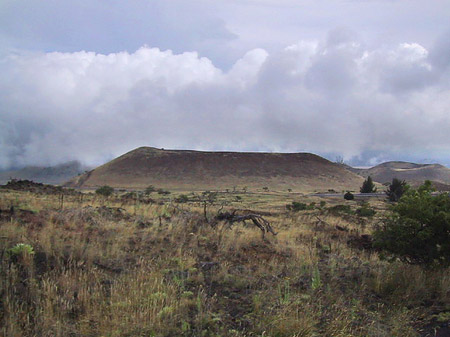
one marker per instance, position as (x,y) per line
(368,186)
(105,190)
(418,232)
(396,189)
(206,199)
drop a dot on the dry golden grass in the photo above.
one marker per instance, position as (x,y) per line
(161,270)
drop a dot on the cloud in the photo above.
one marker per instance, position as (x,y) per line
(331,97)
(109,27)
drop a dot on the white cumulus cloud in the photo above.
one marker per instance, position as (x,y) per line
(330,97)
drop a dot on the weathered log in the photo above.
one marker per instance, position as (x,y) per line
(256,219)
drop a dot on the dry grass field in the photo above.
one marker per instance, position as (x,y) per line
(95,266)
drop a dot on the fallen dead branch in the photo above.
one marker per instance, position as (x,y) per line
(256,219)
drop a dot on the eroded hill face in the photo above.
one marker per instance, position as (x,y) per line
(196,170)
(411,172)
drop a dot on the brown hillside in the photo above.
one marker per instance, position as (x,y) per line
(197,170)
(411,172)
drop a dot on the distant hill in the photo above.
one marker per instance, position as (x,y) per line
(411,172)
(48,175)
(197,170)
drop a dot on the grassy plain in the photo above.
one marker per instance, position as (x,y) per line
(124,267)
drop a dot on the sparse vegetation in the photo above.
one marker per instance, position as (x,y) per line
(182,198)
(149,189)
(340,209)
(365,211)
(162,191)
(109,268)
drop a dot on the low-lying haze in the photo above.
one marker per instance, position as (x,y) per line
(366,80)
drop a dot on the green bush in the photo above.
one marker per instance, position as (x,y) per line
(162,191)
(105,191)
(21,249)
(349,196)
(296,206)
(150,189)
(182,198)
(368,186)
(340,209)
(365,211)
(418,231)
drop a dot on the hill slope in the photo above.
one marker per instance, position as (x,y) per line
(411,172)
(47,175)
(197,170)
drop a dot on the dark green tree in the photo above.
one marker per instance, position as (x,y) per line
(396,189)
(418,231)
(368,186)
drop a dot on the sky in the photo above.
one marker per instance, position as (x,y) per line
(363,80)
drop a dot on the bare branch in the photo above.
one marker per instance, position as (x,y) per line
(256,219)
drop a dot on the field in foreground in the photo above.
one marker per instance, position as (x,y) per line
(93,266)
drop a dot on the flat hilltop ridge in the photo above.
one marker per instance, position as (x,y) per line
(199,170)
(411,172)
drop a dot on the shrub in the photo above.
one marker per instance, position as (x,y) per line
(396,189)
(105,191)
(296,206)
(21,249)
(349,196)
(418,231)
(340,209)
(182,198)
(368,186)
(162,191)
(150,189)
(365,211)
